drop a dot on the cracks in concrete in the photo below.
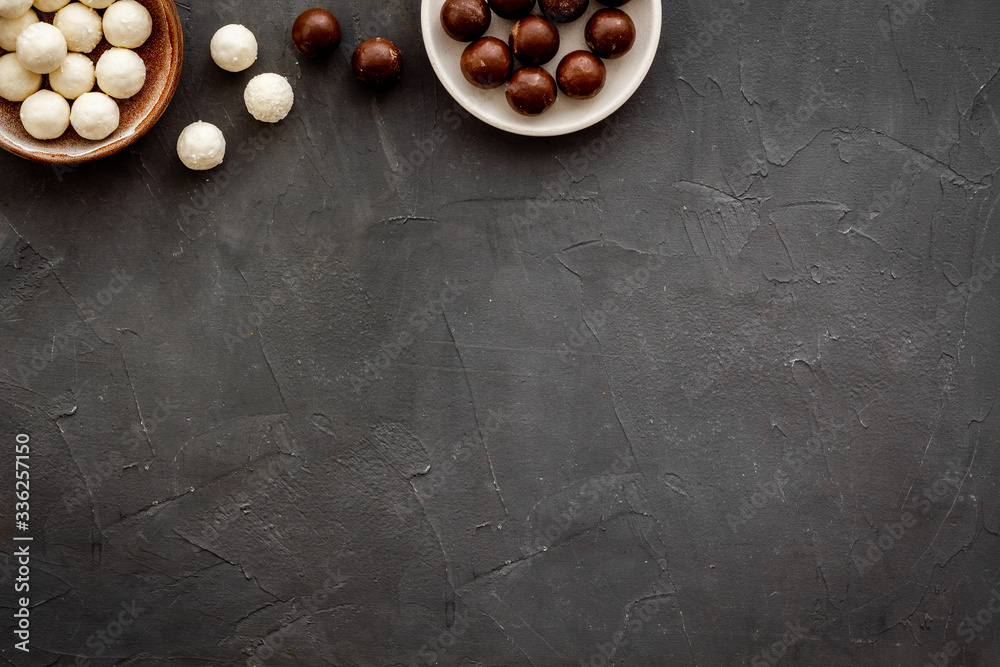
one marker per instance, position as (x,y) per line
(475,412)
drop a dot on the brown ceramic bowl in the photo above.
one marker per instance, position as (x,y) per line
(163,54)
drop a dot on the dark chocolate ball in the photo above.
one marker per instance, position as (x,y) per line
(610,33)
(581,75)
(377,62)
(531,91)
(612,3)
(465,20)
(316,32)
(511,9)
(533,40)
(487,63)
(563,11)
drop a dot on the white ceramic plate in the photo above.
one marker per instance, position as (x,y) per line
(566,115)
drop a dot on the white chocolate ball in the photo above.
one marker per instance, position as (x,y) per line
(98,4)
(81,26)
(120,73)
(41,48)
(11,9)
(269,97)
(234,48)
(17,83)
(45,115)
(127,24)
(201,146)
(50,5)
(74,78)
(95,116)
(11,28)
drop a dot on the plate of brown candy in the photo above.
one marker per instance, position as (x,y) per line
(545,67)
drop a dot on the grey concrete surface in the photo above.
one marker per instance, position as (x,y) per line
(709,383)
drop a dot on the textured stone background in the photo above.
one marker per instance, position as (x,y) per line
(710,383)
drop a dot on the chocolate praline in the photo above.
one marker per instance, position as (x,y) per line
(487,63)
(563,11)
(316,32)
(465,20)
(511,9)
(534,40)
(531,91)
(610,33)
(377,62)
(581,75)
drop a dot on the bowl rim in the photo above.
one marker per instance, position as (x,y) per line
(175,36)
(429,21)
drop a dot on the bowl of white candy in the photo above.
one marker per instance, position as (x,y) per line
(82,80)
